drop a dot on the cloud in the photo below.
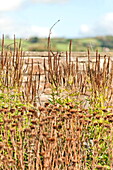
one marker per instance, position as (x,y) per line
(34,30)
(40,31)
(104,26)
(106,23)
(8,26)
(85,29)
(7,5)
(50,1)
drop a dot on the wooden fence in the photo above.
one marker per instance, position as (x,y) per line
(63,54)
(34,62)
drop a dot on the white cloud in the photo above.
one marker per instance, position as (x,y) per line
(34,30)
(85,29)
(41,31)
(6,25)
(6,5)
(10,27)
(104,26)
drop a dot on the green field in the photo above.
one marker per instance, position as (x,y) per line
(62,44)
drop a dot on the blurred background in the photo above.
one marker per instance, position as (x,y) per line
(87,23)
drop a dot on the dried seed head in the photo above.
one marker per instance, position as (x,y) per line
(73,111)
(59,126)
(12,110)
(63,110)
(46,165)
(109,116)
(6,110)
(95,113)
(19,143)
(80,116)
(107,125)
(14,124)
(67,104)
(88,121)
(54,112)
(12,130)
(71,105)
(7,127)
(40,108)
(32,111)
(60,134)
(8,120)
(101,123)
(1,145)
(42,153)
(52,139)
(60,160)
(56,108)
(98,116)
(33,135)
(78,129)
(5,120)
(49,109)
(69,139)
(105,118)
(20,110)
(34,122)
(44,119)
(29,114)
(95,123)
(110,120)
(18,116)
(82,121)
(32,126)
(14,116)
(54,126)
(64,117)
(1,110)
(95,141)
(24,108)
(104,110)
(46,104)
(11,161)
(27,130)
(50,117)
(45,134)
(41,123)
(68,114)
(1,123)
(88,115)
(99,167)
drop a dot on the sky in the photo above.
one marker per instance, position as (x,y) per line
(78,18)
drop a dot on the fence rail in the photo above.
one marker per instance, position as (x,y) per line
(36,54)
(34,71)
(63,54)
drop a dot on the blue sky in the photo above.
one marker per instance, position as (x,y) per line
(78,18)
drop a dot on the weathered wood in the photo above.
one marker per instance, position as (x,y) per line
(63,54)
(44,54)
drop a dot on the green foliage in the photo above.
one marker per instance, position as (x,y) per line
(61,44)
(33,39)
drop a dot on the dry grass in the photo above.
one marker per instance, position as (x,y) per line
(60,138)
(72,131)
